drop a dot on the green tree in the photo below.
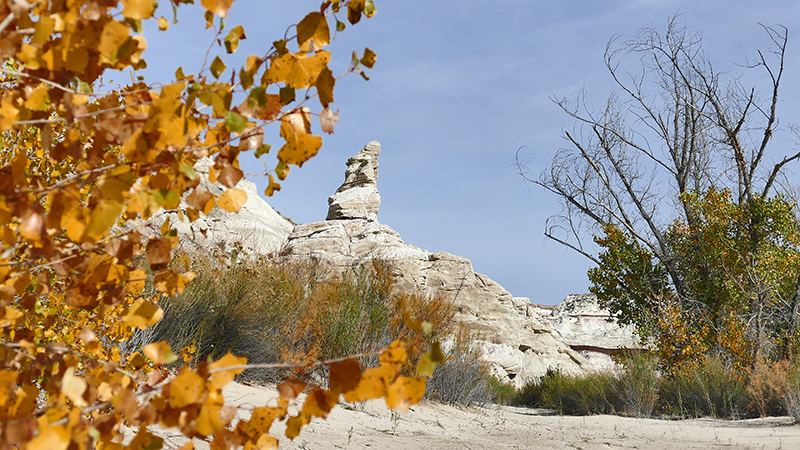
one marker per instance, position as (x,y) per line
(679,180)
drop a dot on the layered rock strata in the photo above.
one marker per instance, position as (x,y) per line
(520,346)
(581,323)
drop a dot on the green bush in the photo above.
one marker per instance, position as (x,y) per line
(708,388)
(594,393)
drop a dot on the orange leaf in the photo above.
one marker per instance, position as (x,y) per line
(291,388)
(159,250)
(345,375)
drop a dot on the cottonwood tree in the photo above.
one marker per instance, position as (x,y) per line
(78,159)
(680,181)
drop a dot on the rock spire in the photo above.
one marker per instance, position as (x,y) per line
(358,197)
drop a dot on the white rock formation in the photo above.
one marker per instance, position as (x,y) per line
(358,197)
(579,322)
(520,346)
(257,226)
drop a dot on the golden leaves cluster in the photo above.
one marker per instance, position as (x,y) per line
(78,163)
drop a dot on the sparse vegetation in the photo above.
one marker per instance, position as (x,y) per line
(299,312)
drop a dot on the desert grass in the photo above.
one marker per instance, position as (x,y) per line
(272,311)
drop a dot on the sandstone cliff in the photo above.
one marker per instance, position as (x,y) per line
(520,346)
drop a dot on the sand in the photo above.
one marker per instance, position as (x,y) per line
(434,426)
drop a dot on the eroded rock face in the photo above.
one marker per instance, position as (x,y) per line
(358,196)
(520,345)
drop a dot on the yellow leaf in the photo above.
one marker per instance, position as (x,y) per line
(31,56)
(319,402)
(325,84)
(77,58)
(222,378)
(44,28)
(369,58)
(141,314)
(73,387)
(104,216)
(51,438)
(217,67)
(306,69)
(404,392)
(232,200)
(185,389)
(218,7)
(394,355)
(11,318)
(374,384)
(8,113)
(425,366)
(114,35)
(232,39)
(209,421)
(260,421)
(295,423)
(159,353)
(300,145)
(264,442)
(313,32)
(138,9)
(278,69)
(38,100)
(136,281)
(163,24)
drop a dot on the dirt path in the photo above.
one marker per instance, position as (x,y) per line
(439,427)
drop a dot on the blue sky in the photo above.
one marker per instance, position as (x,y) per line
(457,88)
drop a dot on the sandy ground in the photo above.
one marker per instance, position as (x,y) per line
(432,426)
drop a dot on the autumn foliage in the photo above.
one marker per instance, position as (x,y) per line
(78,159)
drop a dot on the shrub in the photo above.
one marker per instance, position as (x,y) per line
(463,378)
(289,311)
(638,383)
(594,393)
(707,388)
(768,388)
